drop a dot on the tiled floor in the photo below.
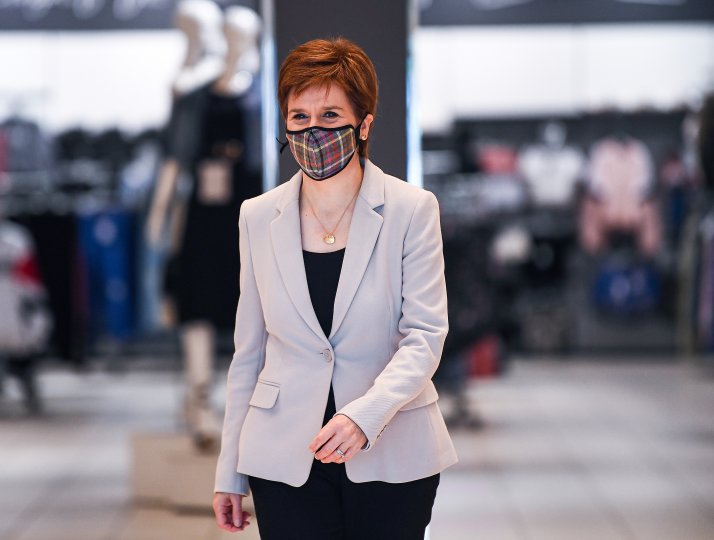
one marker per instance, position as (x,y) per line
(569,451)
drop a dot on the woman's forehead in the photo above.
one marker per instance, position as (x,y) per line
(320,96)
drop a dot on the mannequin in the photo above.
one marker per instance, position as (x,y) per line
(242,28)
(200,21)
(242,31)
(205,142)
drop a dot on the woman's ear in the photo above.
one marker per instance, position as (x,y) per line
(366,126)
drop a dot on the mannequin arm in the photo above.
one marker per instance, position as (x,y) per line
(165,187)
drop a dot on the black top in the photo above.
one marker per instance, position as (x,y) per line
(323,273)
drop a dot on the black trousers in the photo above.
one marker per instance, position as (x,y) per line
(331,507)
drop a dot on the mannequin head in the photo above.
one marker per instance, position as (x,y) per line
(241,28)
(200,21)
(553,134)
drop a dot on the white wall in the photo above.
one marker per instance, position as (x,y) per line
(522,70)
(657,65)
(96,80)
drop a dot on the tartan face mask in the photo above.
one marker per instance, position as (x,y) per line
(323,152)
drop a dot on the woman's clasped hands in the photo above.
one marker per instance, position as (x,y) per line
(339,433)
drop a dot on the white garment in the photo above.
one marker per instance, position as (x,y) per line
(551,173)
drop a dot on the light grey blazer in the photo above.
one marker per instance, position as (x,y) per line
(388,331)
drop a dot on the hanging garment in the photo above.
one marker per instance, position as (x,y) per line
(3,161)
(677,195)
(108,248)
(477,309)
(181,137)
(137,179)
(621,176)
(64,272)
(497,158)
(251,103)
(688,264)
(25,320)
(551,174)
(620,184)
(626,287)
(705,304)
(27,147)
(706,141)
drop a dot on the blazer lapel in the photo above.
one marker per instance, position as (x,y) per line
(287,247)
(361,239)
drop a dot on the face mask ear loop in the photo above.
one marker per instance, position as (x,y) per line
(282,144)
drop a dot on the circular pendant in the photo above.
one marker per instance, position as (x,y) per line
(329,238)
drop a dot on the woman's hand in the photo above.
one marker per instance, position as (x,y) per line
(340,432)
(230,515)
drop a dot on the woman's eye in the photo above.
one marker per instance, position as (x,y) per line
(330,114)
(299,116)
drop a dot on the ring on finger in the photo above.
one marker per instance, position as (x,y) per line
(340,453)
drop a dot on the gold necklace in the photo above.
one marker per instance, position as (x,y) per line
(329,237)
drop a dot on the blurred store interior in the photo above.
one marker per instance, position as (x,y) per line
(571,147)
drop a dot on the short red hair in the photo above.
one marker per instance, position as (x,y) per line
(323,62)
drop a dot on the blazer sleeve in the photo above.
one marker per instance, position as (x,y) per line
(249,339)
(423,326)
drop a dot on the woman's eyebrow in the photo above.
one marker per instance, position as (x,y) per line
(325,108)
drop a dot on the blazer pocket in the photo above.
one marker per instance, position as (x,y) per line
(428,395)
(265,394)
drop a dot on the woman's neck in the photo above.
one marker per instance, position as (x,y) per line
(332,195)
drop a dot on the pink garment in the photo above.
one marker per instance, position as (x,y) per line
(497,158)
(621,173)
(619,181)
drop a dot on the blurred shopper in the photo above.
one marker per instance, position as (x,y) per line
(25,320)
(331,416)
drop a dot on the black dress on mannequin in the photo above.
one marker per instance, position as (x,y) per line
(205,275)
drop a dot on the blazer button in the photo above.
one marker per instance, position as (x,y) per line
(327,355)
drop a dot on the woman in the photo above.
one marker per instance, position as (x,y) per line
(331,415)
